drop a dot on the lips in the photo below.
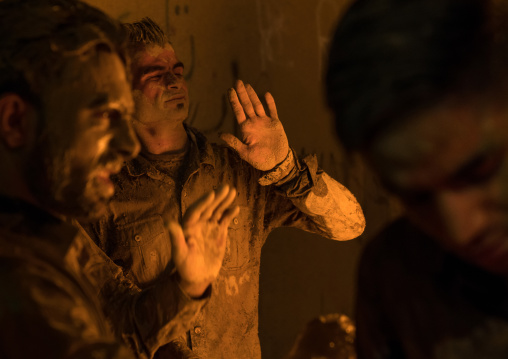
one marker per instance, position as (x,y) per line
(103,174)
(102,179)
(113,167)
(178,98)
(175,97)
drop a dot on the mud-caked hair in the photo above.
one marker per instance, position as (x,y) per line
(40,36)
(143,33)
(392,58)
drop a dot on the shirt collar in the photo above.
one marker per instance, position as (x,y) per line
(201,152)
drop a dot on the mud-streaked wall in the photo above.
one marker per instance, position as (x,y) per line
(277,46)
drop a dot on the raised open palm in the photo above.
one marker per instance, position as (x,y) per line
(198,245)
(263,142)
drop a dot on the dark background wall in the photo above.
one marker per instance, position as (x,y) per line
(278,46)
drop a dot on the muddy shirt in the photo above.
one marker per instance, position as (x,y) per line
(48,307)
(134,236)
(417,301)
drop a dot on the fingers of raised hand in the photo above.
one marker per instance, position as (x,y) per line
(220,242)
(245,99)
(220,194)
(195,210)
(270,102)
(258,106)
(228,216)
(178,244)
(223,206)
(236,106)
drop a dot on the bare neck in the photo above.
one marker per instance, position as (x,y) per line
(161,137)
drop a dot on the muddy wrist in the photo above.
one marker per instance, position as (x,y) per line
(192,289)
(280,171)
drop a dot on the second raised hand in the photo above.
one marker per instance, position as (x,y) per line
(263,142)
(198,244)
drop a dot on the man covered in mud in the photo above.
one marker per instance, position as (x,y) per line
(65,105)
(419,87)
(177,165)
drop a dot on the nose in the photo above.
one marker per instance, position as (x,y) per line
(462,213)
(125,141)
(173,81)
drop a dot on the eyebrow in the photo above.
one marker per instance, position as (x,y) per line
(150,69)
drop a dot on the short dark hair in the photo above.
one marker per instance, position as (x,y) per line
(39,36)
(144,32)
(391,58)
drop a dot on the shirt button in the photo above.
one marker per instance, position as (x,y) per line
(235,220)
(184,193)
(137,237)
(197,330)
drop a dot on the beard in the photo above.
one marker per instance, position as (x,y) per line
(61,187)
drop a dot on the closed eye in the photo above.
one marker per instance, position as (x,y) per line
(154,78)
(480,169)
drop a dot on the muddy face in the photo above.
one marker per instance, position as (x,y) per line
(449,166)
(86,135)
(159,88)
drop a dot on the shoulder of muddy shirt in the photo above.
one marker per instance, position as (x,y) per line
(145,319)
(48,306)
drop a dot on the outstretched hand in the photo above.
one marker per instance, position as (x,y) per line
(198,245)
(263,142)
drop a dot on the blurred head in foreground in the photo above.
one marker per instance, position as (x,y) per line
(419,87)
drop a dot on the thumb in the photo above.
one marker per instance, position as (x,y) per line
(237,145)
(179,246)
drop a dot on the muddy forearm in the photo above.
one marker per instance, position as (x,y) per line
(326,202)
(335,207)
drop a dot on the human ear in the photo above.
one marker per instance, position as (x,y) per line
(13,120)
